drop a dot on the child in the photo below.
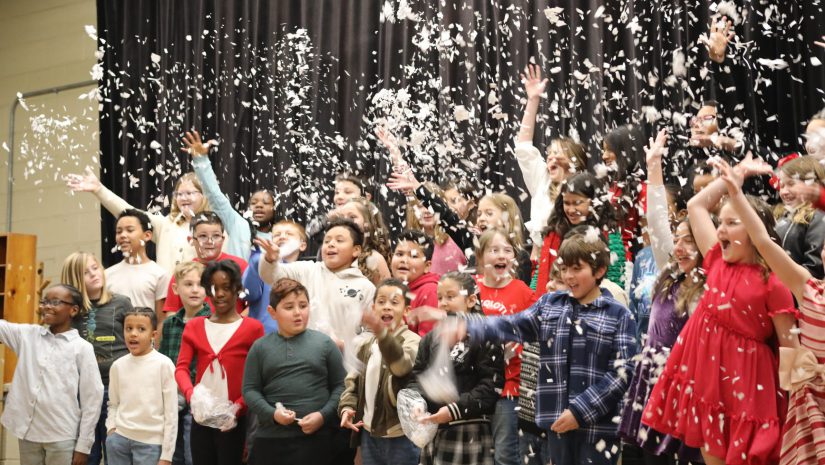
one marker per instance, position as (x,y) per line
(502,295)
(674,296)
(411,263)
(137,277)
(447,256)
(623,152)
(542,177)
(170,232)
(219,343)
(373,259)
(718,391)
(347,186)
(192,294)
(261,209)
(142,423)
(463,435)
(55,397)
(581,200)
(368,400)
(461,198)
(338,290)
(257,291)
(207,238)
(292,382)
(101,323)
(802,227)
(798,367)
(586,342)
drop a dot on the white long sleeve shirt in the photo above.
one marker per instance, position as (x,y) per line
(143,400)
(56,393)
(537,180)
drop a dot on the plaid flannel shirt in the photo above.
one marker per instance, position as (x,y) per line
(585,357)
(173,333)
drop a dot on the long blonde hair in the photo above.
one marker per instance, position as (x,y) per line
(175,212)
(512,219)
(804,169)
(74,269)
(575,154)
(440,236)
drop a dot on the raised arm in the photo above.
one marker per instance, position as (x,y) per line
(793,275)
(533,87)
(658,215)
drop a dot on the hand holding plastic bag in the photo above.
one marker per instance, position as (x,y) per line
(209,410)
(411,408)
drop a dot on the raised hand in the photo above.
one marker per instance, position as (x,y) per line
(733,178)
(404,182)
(369,320)
(391,143)
(194,145)
(656,149)
(533,83)
(751,166)
(87,182)
(272,253)
(719,37)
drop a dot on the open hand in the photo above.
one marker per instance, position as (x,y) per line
(391,143)
(566,422)
(87,182)
(346,420)
(369,320)
(732,178)
(194,145)
(750,166)
(272,253)
(656,149)
(403,182)
(440,417)
(533,83)
(311,422)
(718,39)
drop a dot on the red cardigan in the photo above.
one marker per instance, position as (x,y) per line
(232,356)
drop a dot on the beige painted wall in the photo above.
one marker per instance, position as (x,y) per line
(43,44)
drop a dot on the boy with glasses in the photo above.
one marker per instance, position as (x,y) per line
(207,238)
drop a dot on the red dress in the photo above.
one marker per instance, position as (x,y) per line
(719,390)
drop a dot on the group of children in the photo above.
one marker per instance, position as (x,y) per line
(249,340)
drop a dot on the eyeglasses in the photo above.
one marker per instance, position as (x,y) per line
(53,302)
(187,194)
(703,120)
(209,239)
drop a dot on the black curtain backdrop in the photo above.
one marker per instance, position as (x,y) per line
(293,89)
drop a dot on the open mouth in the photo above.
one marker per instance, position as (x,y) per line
(500,267)
(387,318)
(725,244)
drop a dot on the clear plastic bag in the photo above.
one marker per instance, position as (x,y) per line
(411,407)
(209,410)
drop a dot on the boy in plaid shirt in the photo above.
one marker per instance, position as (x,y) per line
(187,285)
(586,340)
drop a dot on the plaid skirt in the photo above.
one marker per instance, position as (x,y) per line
(462,444)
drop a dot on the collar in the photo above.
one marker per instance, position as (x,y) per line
(68,335)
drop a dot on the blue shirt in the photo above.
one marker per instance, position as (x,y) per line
(257,293)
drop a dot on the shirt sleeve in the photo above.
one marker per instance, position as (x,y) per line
(173,302)
(187,352)
(115,205)
(90,394)
(779,298)
(170,409)
(518,327)
(236,226)
(272,272)
(253,386)
(661,239)
(114,397)
(164,280)
(11,335)
(532,165)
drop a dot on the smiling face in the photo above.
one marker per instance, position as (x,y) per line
(733,237)
(558,163)
(426,218)
(138,333)
(130,236)
(188,198)
(451,298)
(705,122)
(576,207)
(58,317)
(339,251)
(489,215)
(458,203)
(785,184)
(344,191)
(288,233)
(608,156)
(292,314)
(262,206)
(93,278)
(191,293)
(389,306)
(224,294)
(208,241)
(497,260)
(685,251)
(408,261)
(581,280)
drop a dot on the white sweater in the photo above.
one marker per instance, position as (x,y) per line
(334,298)
(537,179)
(143,400)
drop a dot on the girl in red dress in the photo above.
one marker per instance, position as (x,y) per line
(719,390)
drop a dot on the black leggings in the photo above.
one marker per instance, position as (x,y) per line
(210,446)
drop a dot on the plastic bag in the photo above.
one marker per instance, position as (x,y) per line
(438,380)
(209,410)
(411,407)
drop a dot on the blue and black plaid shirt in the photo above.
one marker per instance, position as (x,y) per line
(585,357)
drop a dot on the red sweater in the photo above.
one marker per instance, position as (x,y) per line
(512,298)
(425,289)
(173,302)
(232,356)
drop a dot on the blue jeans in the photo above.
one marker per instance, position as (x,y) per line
(388,451)
(183,452)
(123,451)
(534,449)
(46,453)
(505,432)
(98,451)
(572,448)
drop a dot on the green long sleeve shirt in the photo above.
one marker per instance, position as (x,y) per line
(305,373)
